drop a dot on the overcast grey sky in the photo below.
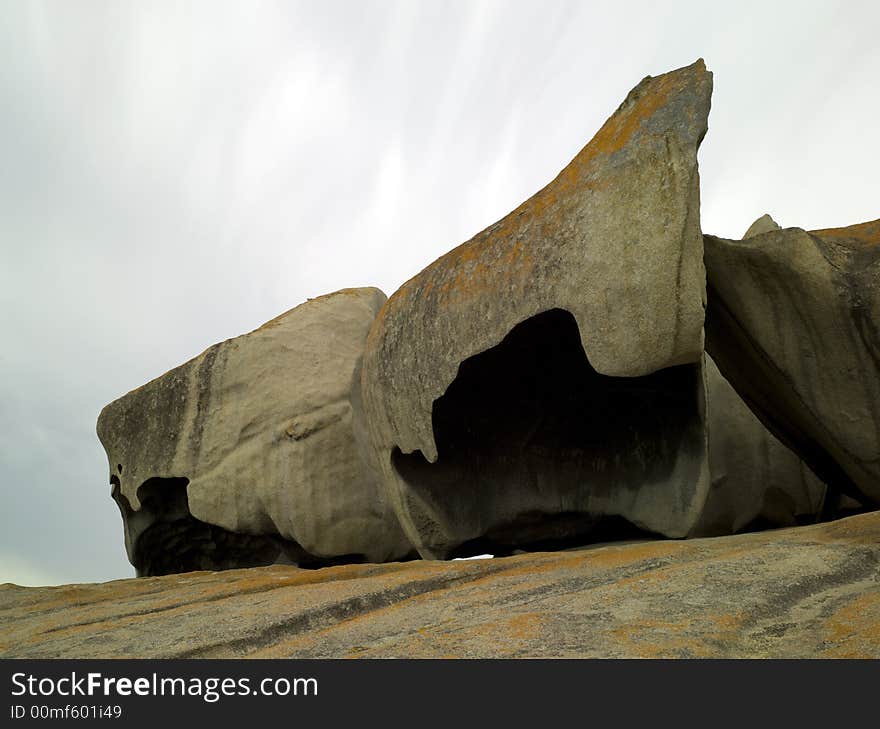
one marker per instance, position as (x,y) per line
(173,174)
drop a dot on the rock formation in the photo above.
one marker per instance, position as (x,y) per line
(808,592)
(545,373)
(247,455)
(756,481)
(792,322)
(764,224)
(543,385)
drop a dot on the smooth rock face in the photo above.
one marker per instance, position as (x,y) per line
(764,224)
(247,455)
(809,592)
(757,482)
(607,259)
(792,322)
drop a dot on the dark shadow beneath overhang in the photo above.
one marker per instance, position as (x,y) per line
(532,441)
(167,539)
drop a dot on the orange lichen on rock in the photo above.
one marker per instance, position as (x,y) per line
(794,593)
(501,252)
(613,242)
(865,233)
(853,630)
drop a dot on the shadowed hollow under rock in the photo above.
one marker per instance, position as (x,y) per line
(171,540)
(534,444)
(247,454)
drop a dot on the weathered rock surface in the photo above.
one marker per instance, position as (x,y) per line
(247,455)
(764,224)
(808,592)
(792,322)
(546,373)
(757,482)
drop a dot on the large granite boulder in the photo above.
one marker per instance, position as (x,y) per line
(545,374)
(756,481)
(247,454)
(793,322)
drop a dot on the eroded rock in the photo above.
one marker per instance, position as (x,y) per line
(764,224)
(247,455)
(545,374)
(792,322)
(757,482)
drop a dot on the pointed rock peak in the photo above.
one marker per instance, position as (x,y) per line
(677,99)
(764,224)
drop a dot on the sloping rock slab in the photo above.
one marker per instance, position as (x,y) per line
(803,592)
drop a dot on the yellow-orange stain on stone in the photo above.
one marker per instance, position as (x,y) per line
(499,257)
(859,529)
(508,633)
(864,233)
(508,569)
(637,583)
(92,616)
(611,557)
(522,566)
(512,606)
(854,629)
(729,621)
(654,638)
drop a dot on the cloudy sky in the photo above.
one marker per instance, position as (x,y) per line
(173,174)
